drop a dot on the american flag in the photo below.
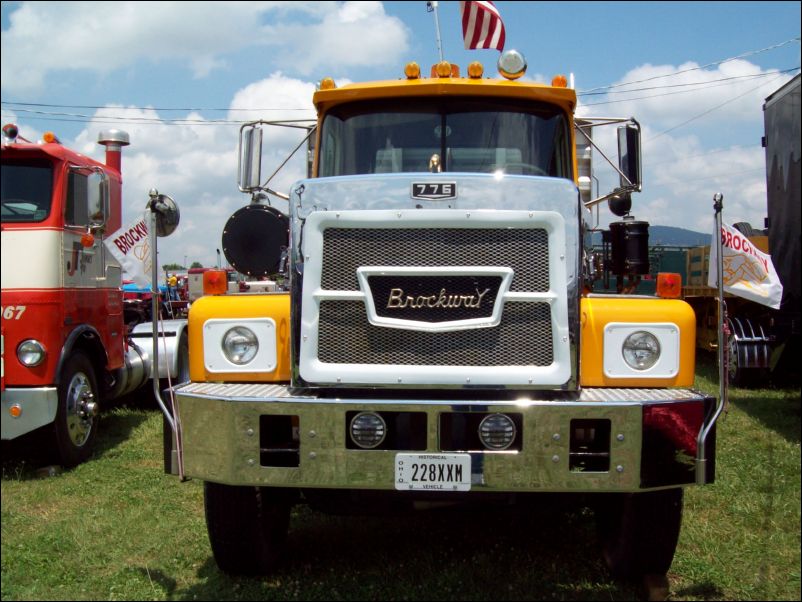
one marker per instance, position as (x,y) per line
(481,25)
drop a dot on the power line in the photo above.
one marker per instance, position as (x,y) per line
(712,152)
(697,89)
(20,106)
(114,119)
(706,84)
(129,119)
(695,117)
(745,54)
(721,175)
(189,109)
(111,119)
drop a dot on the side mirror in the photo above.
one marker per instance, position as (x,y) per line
(629,156)
(87,203)
(250,157)
(98,199)
(166,212)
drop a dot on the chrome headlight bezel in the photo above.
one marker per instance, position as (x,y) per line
(31,353)
(665,365)
(220,336)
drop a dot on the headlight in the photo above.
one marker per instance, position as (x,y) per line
(31,353)
(641,350)
(240,345)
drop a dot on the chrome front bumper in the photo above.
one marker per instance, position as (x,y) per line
(37,407)
(222,442)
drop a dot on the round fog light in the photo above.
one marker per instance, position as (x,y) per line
(497,431)
(368,430)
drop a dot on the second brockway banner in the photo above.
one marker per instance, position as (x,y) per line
(748,271)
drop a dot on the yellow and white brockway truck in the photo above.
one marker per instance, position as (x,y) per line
(434,336)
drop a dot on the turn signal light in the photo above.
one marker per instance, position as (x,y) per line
(215,282)
(669,285)
(87,240)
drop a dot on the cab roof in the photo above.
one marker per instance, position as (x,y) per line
(22,149)
(443,87)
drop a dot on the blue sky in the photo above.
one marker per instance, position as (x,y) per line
(79,67)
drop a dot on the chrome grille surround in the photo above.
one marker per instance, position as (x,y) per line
(340,341)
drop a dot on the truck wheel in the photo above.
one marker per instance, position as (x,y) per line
(247,527)
(737,374)
(746,361)
(75,427)
(639,531)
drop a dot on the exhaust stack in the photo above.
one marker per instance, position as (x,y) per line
(113,140)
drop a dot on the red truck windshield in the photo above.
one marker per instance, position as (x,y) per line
(26,191)
(458,134)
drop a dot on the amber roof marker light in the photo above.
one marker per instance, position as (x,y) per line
(412,70)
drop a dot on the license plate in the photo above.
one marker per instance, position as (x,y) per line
(433,472)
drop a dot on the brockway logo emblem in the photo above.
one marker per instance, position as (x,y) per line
(434,298)
(444,300)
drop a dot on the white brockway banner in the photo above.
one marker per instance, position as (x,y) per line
(130,245)
(748,271)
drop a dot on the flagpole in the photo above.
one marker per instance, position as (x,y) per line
(723,331)
(718,205)
(432,6)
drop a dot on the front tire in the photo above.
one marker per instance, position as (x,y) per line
(639,531)
(75,427)
(247,527)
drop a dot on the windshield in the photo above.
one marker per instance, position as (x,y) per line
(26,191)
(454,134)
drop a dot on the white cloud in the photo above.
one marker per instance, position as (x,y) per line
(196,164)
(103,37)
(666,96)
(685,161)
(350,34)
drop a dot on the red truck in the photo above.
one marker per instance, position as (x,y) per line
(66,347)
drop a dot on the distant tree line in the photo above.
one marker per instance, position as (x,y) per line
(174,267)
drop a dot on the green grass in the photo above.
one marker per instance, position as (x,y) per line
(117,528)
